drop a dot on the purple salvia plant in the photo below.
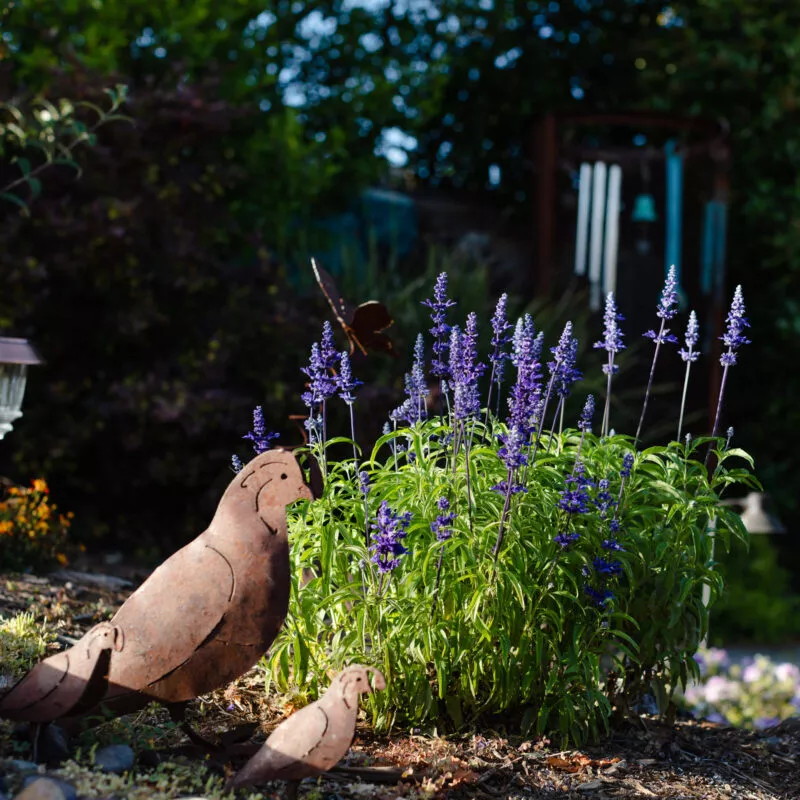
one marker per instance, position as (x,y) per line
(440,331)
(498,355)
(562,369)
(465,370)
(388,531)
(512,455)
(260,436)
(734,337)
(347,385)
(526,392)
(236,464)
(574,500)
(416,385)
(689,355)
(612,344)
(321,383)
(667,309)
(328,352)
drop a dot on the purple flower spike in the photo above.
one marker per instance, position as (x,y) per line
(603,567)
(689,354)
(734,337)
(575,495)
(511,451)
(236,464)
(465,370)
(345,381)
(668,305)
(598,596)
(442,526)
(585,422)
(562,369)
(388,530)
(363,483)
(627,465)
(440,330)
(416,387)
(260,436)
(612,335)
(612,544)
(500,339)
(328,351)
(322,384)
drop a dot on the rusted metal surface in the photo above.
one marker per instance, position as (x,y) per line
(202,619)
(316,738)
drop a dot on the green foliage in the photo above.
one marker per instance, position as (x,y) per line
(49,134)
(23,642)
(758,605)
(486,638)
(151,320)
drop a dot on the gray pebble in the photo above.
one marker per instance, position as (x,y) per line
(35,787)
(116,758)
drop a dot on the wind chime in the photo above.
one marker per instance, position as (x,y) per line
(599,209)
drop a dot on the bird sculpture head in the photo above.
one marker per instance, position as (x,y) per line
(274,478)
(354,681)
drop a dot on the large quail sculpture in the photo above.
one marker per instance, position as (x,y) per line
(316,738)
(202,619)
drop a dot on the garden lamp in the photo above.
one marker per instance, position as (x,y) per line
(15,357)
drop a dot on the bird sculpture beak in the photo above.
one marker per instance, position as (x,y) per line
(378,681)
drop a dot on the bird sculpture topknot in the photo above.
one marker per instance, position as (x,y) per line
(316,738)
(202,619)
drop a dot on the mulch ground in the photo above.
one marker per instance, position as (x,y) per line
(648,760)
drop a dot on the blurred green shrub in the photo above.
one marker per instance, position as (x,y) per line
(758,604)
(159,314)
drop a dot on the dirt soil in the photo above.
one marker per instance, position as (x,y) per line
(647,760)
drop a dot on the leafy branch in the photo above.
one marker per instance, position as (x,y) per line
(55,132)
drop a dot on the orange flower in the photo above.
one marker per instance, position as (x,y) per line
(40,485)
(6,526)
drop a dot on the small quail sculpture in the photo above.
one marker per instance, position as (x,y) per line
(202,619)
(314,739)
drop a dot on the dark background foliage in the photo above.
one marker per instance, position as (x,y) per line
(161,286)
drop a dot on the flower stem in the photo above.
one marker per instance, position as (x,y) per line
(719,410)
(438,576)
(503,517)
(489,396)
(649,382)
(353,435)
(683,398)
(607,409)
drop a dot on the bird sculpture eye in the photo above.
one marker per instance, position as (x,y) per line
(284,476)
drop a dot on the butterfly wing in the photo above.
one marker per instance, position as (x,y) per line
(368,322)
(342,310)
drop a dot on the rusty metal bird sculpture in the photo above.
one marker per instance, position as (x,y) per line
(316,738)
(202,619)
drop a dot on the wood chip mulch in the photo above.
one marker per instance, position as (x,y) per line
(650,760)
